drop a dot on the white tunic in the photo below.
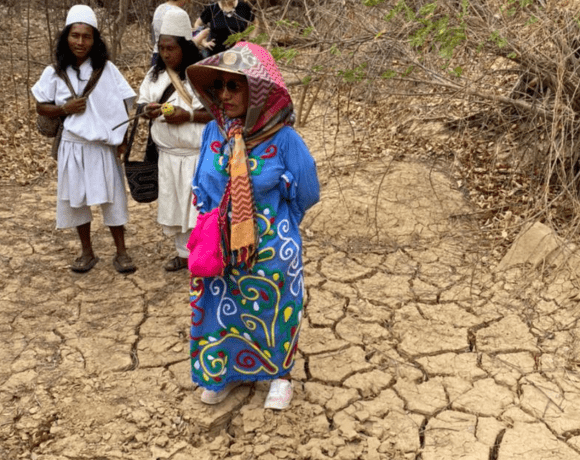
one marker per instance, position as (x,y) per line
(178,147)
(88,171)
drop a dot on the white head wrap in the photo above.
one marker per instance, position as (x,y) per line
(176,22)
(81,13)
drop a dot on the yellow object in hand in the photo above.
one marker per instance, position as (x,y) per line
(167,109)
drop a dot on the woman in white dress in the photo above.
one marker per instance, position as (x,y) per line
(178,134)
(89,169)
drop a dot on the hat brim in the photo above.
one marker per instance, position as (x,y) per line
(203,76)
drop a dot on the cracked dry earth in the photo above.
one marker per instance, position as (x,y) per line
(412,347)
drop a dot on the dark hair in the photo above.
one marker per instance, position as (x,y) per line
(190,56)
(65,57)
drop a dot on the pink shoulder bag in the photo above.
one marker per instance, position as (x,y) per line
(208,243)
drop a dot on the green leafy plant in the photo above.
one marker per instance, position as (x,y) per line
(307,31)
(284,54)
(435,31)
(389,74)
(457,71)
(354,75)
(245,35)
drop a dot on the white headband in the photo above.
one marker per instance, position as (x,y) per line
(81,13)
(176,22)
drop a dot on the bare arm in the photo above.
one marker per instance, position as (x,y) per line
(200,38)
(183,116)
(77,105)
(201,116)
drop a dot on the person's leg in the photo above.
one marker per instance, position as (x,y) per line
(181,240)
(79,218)
(118,233)
(179,262)
(122,261)
(115,216)
(84,232)
(87,260)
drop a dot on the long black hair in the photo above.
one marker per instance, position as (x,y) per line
(190,56)
(99,55)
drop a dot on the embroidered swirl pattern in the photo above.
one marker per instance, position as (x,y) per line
(290,251)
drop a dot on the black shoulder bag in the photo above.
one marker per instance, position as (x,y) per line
(142,176)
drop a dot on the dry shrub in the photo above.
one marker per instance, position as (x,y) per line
(491,89)
(489,93)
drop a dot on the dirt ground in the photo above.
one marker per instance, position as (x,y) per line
(413,347)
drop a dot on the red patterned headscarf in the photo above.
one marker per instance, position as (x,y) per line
(269,102)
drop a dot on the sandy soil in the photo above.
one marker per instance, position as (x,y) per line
(411,347)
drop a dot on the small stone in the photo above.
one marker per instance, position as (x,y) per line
(161,441)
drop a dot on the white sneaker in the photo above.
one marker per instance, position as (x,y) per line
(216,397)
(280,394)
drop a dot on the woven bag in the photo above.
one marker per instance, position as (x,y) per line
(209,243)
(143,180)
(48,126)
(142,176)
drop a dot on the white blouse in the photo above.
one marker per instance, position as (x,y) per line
(177,139)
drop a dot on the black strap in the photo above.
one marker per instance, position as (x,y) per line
(167,93)
(140,109)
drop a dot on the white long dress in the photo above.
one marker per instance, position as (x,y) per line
(178,147)
(89,172)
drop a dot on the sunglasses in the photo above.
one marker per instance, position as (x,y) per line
(232,86)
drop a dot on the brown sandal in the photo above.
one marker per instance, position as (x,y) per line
(84,263)
(124,264)
(176,264)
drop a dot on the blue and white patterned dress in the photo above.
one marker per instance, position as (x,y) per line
(245,325)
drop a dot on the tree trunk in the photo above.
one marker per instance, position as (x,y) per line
(119,26)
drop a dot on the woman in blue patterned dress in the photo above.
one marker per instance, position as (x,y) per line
(245,324)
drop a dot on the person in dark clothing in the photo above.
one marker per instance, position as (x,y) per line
(223,19)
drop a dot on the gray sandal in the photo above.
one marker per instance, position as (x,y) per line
(83,264)
(124,264)
(176,264)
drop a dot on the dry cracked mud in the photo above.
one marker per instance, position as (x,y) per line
(413,347)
